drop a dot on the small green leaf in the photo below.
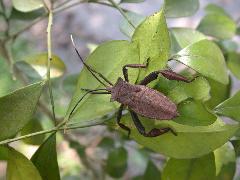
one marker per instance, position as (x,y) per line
(198,89)
(219,92)
(215,9)
(200,57)
(152,172)
(27,5)
(39,63)
(154,43)
(108,59)
(116,164)
(7,84)
(217,25)
(20,168)
(135,19)
(199,140)
(190,169)
(230,107)
(182,8)
(26,16)
(194,113)
(233,63)
(182,37)
(33,126)
(225,161)
(46,156)
(17,108)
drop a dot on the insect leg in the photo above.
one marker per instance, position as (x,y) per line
(149,78)
(119,116)
(171,75)
(125,70)
(152,133)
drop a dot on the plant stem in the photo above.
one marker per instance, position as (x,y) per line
(55,129)
(49,45)
(122,12)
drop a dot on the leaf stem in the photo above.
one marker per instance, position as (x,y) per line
(122,12)
(49,46)
(55,129)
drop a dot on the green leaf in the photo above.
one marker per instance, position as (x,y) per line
(230,107)
(225,161)
(27,5)
(106,143)
(135,19)
(154,43)
(3,153)
(17,108)
(131,1)
(46,156)
(217,25)
(116,164)
(152,172)
(194,113)
(39,63)
(182,8)
(182,37)
(6,81)
(199,140)
(233,63)
(219,92)
(215,9)
(108,59)
(20,168)
(33,126)
(26,16)
(228,45)
(198,89)
(190,169)
(200,57)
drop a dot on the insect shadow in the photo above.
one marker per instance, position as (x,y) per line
(140,99)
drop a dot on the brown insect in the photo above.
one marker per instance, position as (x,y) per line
(140,99)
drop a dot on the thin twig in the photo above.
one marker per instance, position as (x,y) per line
(55,129)
(122,12)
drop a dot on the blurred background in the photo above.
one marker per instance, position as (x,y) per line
(93,24)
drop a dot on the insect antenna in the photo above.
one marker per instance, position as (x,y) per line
(92,71)
(94,91)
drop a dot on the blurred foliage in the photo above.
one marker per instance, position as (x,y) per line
(206,146)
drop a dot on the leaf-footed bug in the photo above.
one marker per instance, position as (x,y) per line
(140,99)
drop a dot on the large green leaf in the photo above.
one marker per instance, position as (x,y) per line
(20,168)
(39,63)
(190,142)
(225,161)
(233,63)
(230,107)
(45,159)
(17,108)
(194,113)
(219,92)
(200,57)
(198,89)
(182,8)
(116,164)
(153,40)
(182,37)
(218,25)
(108,59)
(27,5)
(190,169)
